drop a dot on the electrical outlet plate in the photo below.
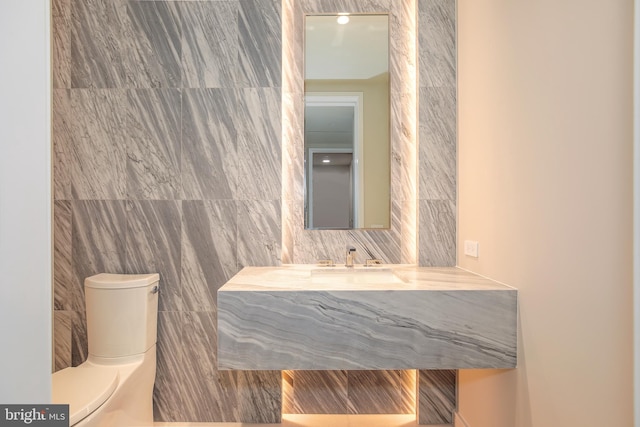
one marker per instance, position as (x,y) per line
(471,248)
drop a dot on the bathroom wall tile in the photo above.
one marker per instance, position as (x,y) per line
(437,43)
(209,140)
(62,269)
(260,144)
(153,246)
(437,396)
(404,147)
(293,152)
(153,144)
(409,232)
(312,245)
(209,43)
(98,243)
(61,44)
(211,393)
(377,392)
(437,233)
(100,30)
(287,392)
(61,339)
(260,43)
(319,392)
(61,136)
(353,6)
(259,396)
(402,45)
(98,144)
(168,393)
(259,233)
(437,143)
(154,49)
(208,251)
(292,45)
(79,342)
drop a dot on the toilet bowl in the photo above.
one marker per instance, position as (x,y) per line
(114,386)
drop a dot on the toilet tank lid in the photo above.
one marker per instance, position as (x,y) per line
(120,281)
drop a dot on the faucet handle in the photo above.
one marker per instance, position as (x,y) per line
(350,249)
(326,263)
(372,262)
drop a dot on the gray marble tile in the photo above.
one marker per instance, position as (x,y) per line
(100,30)
(259,396)
(320,392)
(208,395)
(62,269)
(292,46)
(62,327)
(312,245)
(352,6)
(437,43)
(154,49)
(98,144)
(79,343)
(437,238)
(377,392)
(153,246)
(61,136)
(409,233)
(260,43)
(153,144)
(259,233)
(404,146)
(436,396)
(61,44)
(208,251)
(260,144)
(98,243)
(402,46)
(209,140)
(168,393)
(209,43)
(287,392)
(437,143)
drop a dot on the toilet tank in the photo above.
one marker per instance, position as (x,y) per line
(122,313)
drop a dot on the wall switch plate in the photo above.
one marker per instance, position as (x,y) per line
(471,248)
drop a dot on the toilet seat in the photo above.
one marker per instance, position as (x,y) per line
(84,389)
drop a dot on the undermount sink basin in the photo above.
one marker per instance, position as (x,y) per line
(355,275)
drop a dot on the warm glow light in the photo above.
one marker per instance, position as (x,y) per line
(343,19)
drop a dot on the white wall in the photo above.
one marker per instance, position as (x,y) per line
(25,202)
(545,186)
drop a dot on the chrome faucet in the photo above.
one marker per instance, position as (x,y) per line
(351,255)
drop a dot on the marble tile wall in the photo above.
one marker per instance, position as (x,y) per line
(167,124)
(168,158)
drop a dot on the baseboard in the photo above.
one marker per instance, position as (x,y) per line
(458,421)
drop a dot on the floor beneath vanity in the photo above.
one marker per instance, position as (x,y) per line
(318,421)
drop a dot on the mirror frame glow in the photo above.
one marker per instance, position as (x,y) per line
(398,244)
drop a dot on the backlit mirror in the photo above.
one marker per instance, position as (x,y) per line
(346,122)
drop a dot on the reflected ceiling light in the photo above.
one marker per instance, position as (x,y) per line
(326,161)
(343,18)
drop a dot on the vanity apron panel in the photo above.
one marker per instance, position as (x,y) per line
(276,329)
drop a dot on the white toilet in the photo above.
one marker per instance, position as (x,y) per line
(114,387)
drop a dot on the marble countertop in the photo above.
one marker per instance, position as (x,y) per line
(412,278)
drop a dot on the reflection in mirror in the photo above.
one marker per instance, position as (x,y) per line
(346,130)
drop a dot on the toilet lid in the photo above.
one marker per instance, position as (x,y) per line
(84,389)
